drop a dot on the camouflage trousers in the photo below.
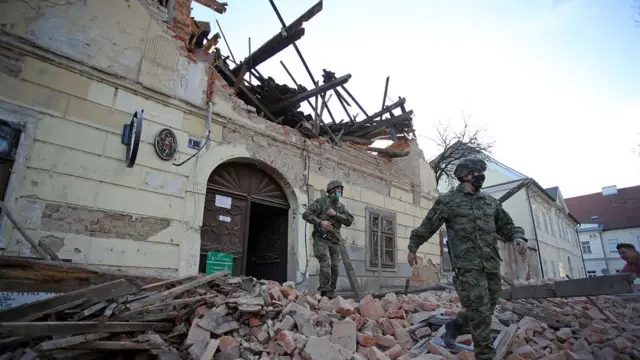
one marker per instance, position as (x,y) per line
(479,292)
(328,254)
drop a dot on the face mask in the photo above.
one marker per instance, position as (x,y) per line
(477,180)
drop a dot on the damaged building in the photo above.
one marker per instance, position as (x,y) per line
(132,143)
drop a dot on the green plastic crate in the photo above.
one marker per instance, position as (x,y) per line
(218,262)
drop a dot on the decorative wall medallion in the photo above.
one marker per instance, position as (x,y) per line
(131,133)
(166,144)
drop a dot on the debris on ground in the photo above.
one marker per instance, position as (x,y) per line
(221,317)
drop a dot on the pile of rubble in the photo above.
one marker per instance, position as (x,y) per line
(221,317)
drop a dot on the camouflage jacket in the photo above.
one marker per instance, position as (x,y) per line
(316,212)
(472,221)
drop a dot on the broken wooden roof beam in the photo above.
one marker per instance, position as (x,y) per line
(273,46)
(384,123)
(311,93)
(362,123)
(247,93)
(595,286)
(388,152)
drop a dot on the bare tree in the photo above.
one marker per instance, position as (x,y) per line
(455,146)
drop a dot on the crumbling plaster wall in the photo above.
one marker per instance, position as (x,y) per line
(119,37)
(73,191)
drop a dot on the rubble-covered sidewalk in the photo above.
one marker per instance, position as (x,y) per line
(221,317)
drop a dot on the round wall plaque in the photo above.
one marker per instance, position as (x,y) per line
(166,144)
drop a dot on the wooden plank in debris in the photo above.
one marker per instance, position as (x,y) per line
(96,293)
(176,291)
(68,341)
(53,310)
(599,285)
(385,123)
(351,274)
(21,274)
(506,338)
(36,329)
(311,93)
(9,214)
(115,345)
(167,282)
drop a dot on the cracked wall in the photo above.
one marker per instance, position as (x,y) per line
(148,217)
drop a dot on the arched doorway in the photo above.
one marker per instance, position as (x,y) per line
(246,214)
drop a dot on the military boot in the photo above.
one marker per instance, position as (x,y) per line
(449,336)
(330,295)
(323,294)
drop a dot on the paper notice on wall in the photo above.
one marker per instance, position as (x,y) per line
(224,218)
(10,300)
(223,201)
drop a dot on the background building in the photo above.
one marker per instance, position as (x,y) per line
(608,218)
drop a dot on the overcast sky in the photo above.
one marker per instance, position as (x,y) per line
(556,83)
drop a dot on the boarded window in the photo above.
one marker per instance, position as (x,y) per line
(381,238)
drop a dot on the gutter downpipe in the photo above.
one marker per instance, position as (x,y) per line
(535,233)
(584,265)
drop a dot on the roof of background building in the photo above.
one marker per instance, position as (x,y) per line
(617,211)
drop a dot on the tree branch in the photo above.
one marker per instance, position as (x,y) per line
(455,146)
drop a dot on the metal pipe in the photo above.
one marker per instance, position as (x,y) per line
(225,41)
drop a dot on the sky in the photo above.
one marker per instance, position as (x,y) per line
(555,83)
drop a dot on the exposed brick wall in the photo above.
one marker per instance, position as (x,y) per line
(98,223)
(182,20)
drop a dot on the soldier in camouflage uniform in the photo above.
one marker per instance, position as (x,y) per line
(472,219)
(328,215)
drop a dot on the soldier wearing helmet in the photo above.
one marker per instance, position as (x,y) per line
(328,215)
(472,219)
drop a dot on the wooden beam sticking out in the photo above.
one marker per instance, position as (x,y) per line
(599,285)
(36,329)
(387,109)
(255,101)
(311,93)
(384,123)
(514,190)
(96,293)
(169,294)
(505,339)
(387,152)
(272,47)
(25,235)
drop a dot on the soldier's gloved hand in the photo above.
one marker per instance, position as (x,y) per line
(326,226)
(521,246)
(412,258)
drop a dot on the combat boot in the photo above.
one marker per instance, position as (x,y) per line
(323,294)
(330,295)
(449,336)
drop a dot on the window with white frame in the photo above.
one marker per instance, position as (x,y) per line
(591,273)
(586,248)
(611,245)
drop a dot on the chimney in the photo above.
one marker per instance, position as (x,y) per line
(609,190)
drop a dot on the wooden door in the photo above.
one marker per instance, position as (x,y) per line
(225,230)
